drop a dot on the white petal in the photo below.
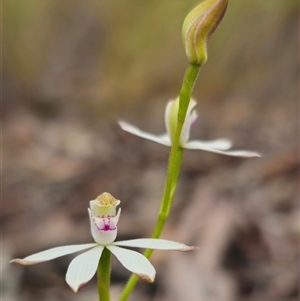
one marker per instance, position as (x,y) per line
(161,139)
(83,267)
(220,144)
(190,118)
(52,253)
(134,262)
(234,153)
(157,244)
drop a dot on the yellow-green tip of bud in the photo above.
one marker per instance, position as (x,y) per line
(198,27)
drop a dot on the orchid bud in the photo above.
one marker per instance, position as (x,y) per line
(198,27)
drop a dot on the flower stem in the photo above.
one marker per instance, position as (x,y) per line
(104,268)
(174,165)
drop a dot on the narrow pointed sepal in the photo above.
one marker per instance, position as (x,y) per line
(161,139)
(134,262)
(52,254)
(233,153)
(156,244)
(219,144)
(83,267)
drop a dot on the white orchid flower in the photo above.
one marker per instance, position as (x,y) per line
(219,146)
(104,222)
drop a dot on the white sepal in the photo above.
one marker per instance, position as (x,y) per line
(134,262)
(220,144)
(156,244)
(83,267)
(161,139)
(52,254)
(234,153)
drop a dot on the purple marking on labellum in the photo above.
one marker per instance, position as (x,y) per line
(104,224)
(106,228)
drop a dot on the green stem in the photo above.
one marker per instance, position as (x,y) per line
(104,268)
(174,164)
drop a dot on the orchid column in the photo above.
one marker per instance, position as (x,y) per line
(198,27)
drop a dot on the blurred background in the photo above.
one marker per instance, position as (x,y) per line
(72,68)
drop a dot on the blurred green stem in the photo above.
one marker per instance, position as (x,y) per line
(174,165)
(103,272)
